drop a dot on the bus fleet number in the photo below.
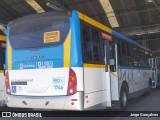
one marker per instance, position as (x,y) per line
(45,64)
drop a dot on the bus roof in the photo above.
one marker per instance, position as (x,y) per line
(108,30)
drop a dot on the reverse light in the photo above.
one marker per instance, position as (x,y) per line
(8,90)
(72,83)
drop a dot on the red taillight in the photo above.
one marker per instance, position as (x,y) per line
(72,83)
(8,90)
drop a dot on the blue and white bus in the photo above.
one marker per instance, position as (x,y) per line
(68,61)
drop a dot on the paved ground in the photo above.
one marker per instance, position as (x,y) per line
(146,103)
(142,103)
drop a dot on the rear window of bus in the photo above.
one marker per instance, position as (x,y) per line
(39,30)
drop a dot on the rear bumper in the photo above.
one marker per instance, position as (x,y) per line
(72,102)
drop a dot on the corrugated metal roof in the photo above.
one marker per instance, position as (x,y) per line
(134,16)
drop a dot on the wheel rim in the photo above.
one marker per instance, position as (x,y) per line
(124,98)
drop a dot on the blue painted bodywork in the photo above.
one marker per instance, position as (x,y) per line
(76,47)
(7,40)
(124,38)
(31,57)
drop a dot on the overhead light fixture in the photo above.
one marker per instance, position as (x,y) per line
(35,6)
(109,12)
(3,29)
(141,33)
(152,1)
(151,32)
(54,7)
(149,0)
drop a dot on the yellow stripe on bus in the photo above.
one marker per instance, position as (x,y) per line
(9,56)
(1,71)
(93,65)
(2,38)
(67,50)
(94,23)
(98,66)
(114,74)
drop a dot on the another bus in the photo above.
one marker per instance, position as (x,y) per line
(68,61)
(2,74)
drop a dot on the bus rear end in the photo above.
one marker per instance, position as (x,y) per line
(44,63)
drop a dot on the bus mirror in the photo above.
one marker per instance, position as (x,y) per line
(4,73)
(106,58)
(106,63)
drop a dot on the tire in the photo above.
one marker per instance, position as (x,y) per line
(124,97)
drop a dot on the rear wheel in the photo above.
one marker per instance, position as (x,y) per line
(124,97)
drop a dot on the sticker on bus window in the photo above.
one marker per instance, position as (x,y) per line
(53,36)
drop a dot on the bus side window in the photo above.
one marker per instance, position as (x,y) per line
(120,57)
(97,46)
(92,45)
(129,54)
(124,53)
(135,56)
(86,38)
